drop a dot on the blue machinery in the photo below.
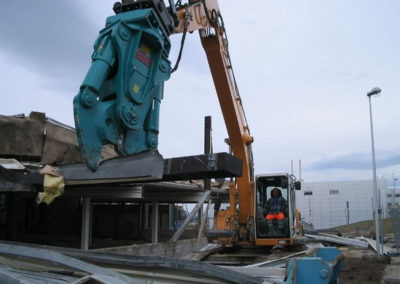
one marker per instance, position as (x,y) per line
(119,99)
(322,266)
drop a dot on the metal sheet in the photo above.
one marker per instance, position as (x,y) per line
(11,164)
(372,243)
(125,263)
(62,260)
(338,240)
(10,275)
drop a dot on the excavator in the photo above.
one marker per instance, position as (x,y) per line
(119,101)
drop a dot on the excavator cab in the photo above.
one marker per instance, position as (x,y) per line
(275,212)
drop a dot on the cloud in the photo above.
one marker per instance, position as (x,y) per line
(357,161)
(53,38)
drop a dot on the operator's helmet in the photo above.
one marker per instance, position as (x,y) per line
(276,189)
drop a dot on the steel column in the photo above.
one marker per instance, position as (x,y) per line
(141,221)
(171,215)
(207,146)
(146,216)
(86,217)
(189,218)
(202,224)
(154,222)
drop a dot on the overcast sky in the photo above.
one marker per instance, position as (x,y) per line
(303,69)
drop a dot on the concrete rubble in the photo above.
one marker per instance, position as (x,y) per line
(40,139)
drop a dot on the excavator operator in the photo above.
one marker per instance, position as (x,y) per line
(276,206)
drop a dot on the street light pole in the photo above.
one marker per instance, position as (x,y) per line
(375,91)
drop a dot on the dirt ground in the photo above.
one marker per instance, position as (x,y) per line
(361,266)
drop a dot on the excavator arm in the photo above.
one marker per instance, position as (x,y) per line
(205,17)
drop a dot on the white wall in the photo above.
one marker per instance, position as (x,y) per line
(329,210)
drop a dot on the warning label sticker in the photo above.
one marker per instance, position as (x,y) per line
(143,57)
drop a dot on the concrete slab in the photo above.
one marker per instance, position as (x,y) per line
(395,260)
(392,271)
(176,249)
(392,274)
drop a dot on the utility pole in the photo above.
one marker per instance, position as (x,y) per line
(375,91)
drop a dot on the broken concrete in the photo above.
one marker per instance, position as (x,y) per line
(41,139)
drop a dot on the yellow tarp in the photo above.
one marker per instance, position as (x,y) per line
(53,185)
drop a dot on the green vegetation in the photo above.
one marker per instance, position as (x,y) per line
(363,228)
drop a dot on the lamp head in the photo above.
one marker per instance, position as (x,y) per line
(374,92)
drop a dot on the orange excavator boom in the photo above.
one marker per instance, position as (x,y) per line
(204,16)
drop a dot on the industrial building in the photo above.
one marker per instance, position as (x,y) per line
(391,199)
(336,203)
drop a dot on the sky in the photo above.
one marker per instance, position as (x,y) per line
(303,69)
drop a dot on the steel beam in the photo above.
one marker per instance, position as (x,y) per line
(105,192)
(216,165)
(167,192)
(169,195)
(279,262)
